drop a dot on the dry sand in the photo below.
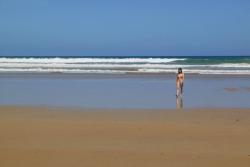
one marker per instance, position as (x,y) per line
(52,137)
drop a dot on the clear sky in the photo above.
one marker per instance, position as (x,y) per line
(124,27)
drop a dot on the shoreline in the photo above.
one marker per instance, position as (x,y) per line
(80,137)
(118,110)
(116,75)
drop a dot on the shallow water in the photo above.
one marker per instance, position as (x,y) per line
(123,91)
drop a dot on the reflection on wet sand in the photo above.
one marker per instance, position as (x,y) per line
(179,102)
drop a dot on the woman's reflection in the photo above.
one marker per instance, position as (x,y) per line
(179,102)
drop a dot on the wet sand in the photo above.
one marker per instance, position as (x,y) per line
(130,91)
(65,137)
(232,90)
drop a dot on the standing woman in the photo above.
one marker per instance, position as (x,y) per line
(179,82)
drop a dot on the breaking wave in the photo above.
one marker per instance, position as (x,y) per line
(118,65)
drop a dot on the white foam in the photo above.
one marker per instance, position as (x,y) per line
(231,65)
(88,60)
(116,65)
(197,71)
(111,66)
(228,72)
(39,70)
(60,70)
(96,65)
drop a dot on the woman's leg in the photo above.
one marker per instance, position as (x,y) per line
(181,85)
(178,91)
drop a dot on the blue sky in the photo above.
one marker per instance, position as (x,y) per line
(124,28)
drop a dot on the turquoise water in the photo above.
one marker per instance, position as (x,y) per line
(209,60)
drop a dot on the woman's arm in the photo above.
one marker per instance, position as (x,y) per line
(177,81)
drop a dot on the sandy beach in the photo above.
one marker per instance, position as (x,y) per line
(82,137)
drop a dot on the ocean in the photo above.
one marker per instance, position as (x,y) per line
(124,65)
(124,82)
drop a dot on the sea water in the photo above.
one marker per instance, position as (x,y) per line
(124,65)
(124,82)
(123,91)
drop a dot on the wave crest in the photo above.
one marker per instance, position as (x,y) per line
(117,65)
